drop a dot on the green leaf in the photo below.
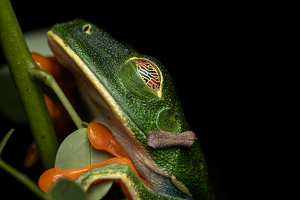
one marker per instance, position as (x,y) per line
(5,139)
(37,41)
(76,152)
(65,189)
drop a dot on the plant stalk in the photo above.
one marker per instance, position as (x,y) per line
(23,179)
(16,174)
(20,62)
(48,79)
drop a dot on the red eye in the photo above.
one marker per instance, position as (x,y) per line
(149,73)
(142,77)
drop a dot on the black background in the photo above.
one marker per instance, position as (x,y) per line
(228,62)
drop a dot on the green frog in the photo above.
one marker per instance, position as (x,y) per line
(133,95)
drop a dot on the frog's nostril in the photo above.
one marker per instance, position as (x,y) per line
(87,29)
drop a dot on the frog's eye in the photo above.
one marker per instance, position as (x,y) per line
(142,76)
(149,73)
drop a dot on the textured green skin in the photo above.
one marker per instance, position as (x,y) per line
(106,58)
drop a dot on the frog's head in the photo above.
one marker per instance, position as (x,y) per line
(137,87)
(131,93)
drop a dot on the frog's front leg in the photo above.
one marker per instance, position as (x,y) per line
(131,185)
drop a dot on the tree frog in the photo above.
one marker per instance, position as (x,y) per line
(133,95)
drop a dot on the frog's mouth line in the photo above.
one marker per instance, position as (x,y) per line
(103,107)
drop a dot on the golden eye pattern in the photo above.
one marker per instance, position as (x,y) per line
(149,73)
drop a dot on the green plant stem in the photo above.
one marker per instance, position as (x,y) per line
(31,185)
(20,62)
(48,79)
(16,174)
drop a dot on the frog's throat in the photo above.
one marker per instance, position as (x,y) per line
(65,56)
